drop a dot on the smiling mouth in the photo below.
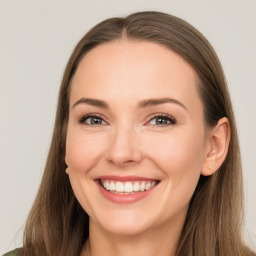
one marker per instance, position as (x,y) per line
(127,187)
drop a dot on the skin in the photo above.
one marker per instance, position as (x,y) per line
(129,141)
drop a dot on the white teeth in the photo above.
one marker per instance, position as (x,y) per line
(112,186)
(142,186)
(153,184)
(136,187)
(148,186)
(107,185)
(127,187)
(119,187)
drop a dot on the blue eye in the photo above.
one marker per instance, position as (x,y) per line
(157,120)
(91,120)
(162,120)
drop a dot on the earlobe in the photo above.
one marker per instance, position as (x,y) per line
(66,160)
(67,171)
(218,140)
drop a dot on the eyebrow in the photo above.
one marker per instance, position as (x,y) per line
(154,102)
(92,102)
(141,104)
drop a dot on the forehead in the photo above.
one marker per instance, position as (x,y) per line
(133,70)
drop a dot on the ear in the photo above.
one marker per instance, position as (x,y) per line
(67,171)
(66,160)
(217,147)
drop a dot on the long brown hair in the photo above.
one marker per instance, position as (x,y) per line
(57,224)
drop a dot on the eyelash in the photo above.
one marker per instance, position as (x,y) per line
(83,118)
(170,119)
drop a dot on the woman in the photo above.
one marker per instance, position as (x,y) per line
(146,133)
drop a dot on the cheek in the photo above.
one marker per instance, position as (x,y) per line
(83,151)
(176,151)
(180,158)
(82,154)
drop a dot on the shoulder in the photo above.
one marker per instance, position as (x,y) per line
(12,253)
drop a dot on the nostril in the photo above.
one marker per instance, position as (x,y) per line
(120,162)
(129,161)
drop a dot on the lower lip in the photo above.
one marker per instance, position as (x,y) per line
(123,198)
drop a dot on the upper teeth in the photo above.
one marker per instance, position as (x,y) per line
(128,187)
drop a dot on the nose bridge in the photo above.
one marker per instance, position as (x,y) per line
(123,148)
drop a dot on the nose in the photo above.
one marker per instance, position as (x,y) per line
(124,148)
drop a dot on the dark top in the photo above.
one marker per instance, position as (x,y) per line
(12,253)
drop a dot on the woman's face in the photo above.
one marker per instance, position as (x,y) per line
(136,140)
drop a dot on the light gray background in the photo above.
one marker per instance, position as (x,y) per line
(36,39)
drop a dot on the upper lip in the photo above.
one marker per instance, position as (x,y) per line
(124,178)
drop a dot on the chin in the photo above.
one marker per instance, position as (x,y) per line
(125,223)
(125,228)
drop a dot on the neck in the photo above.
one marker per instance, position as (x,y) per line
(157,241)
